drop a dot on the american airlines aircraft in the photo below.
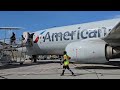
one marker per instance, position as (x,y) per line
(93,42)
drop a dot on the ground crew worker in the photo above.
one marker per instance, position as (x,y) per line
(66,59)
(22,37)
(12,38)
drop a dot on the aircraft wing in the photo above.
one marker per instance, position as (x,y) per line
(10,28)
(113,38)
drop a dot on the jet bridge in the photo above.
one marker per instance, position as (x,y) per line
(8,52)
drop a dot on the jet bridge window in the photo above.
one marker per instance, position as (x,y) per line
(30,39)
(31,35)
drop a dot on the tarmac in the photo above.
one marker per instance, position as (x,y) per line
(52,69)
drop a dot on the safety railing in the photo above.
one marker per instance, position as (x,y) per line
(9,49)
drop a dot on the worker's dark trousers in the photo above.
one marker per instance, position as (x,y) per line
(66,67)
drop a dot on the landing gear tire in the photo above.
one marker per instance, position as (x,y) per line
(60,57)
(21,63)
(45,57)
(34,58)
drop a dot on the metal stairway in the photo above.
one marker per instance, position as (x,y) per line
(9,54)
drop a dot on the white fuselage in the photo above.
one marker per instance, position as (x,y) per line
(54,40)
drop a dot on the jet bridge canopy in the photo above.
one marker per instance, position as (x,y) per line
(10,28)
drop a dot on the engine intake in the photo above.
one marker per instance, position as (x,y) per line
(92,52)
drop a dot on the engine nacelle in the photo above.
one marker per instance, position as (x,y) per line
(90,52)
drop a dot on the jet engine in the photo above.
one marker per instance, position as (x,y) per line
(90,51)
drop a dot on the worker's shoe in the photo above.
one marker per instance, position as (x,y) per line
(61,74)
(73,74)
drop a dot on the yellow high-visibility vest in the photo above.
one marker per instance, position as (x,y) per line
(67,60)
(66,63)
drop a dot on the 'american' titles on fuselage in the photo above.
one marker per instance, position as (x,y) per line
(79,34)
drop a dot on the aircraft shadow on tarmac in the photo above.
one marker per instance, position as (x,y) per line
(116,64)
(112,65)
(17,65)
(97,67)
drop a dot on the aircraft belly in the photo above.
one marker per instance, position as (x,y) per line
(52,48)
(34,50)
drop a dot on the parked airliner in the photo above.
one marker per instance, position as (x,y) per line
(92,42)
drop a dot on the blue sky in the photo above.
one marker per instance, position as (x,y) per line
(38,20)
